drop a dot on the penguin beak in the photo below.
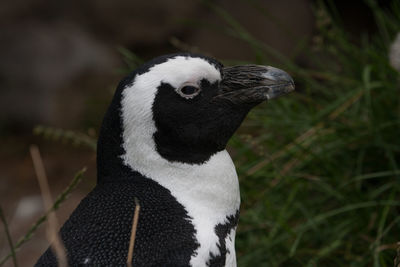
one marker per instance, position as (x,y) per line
(252,84)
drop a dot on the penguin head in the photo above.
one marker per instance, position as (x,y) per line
(185,107)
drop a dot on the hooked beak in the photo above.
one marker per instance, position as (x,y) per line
(252,84)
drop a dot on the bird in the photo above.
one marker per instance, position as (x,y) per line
(163,142)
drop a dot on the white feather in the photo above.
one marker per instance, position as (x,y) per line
(230,246)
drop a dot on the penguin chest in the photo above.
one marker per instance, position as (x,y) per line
(209,193)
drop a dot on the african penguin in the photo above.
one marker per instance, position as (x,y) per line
(163,141)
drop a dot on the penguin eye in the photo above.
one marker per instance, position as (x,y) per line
(188,91)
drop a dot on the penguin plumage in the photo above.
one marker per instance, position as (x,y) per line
(163,142)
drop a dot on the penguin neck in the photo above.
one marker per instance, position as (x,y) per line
(211,185)
(211,177)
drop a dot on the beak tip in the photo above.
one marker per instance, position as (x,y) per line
(280,89)
(282,83)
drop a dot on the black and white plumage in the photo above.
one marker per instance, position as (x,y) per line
(163,141)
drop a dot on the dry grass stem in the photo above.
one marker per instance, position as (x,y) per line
(9,239)
(133,233)
(52,230)
(397,259)
(59,200)
(303,137)
(308,135)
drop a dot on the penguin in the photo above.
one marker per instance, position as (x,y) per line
(162,141)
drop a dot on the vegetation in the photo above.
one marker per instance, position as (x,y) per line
(319,169)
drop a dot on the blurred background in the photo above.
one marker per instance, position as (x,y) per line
(318,169)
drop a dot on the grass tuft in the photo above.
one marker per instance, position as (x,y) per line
(325,190)
(66,136)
